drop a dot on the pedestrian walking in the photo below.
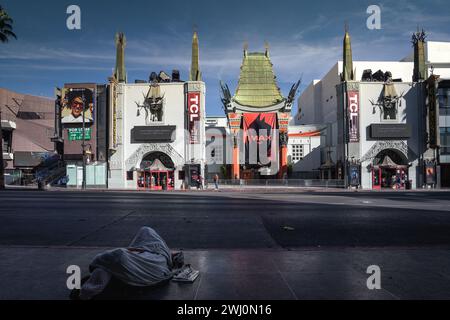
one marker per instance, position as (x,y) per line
(199,183)
(216,181)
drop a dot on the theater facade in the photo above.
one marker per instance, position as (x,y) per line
(383,128)
(258,119)
(157,134)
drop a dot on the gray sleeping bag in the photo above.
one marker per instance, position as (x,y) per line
(150,264)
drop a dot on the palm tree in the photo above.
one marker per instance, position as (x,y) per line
(5,34)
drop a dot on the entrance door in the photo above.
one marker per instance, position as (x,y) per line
(156,180)
(394,178)
(376,178)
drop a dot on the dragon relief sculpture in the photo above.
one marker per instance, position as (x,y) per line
(153,105)
(388,102)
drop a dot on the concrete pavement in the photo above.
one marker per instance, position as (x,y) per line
(39,273)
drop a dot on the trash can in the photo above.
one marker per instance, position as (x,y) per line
(408,184)
(41,185)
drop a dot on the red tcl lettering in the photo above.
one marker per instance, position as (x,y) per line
(353,130)
(353,99)
(194,116)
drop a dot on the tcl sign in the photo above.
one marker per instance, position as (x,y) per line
(194,117)
(353,111)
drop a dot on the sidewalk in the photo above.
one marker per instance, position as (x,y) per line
(274,189)
(336,273)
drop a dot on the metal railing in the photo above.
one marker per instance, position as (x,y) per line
(289,183)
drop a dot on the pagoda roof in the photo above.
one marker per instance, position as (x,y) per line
(257,87)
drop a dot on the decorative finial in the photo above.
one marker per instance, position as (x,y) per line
(419,36)
(346,26)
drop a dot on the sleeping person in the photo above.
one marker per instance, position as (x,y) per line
(146,262)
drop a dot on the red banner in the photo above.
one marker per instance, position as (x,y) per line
(353,116)
(258,128)
(194,117)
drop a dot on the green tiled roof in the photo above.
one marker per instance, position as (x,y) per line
(257,86)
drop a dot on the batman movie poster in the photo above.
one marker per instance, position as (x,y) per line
(258,133)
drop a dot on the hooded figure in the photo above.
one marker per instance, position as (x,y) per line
(146,262)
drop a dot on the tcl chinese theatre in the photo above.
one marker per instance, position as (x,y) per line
(258,117)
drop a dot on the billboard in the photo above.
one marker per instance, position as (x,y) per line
(258,132)
(193,101)
(75,102)
(353,116)
(430,173)
(354,174)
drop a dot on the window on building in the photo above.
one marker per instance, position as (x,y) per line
(129,175)
(444,97)
(445,140)
(297,152)
(7,141)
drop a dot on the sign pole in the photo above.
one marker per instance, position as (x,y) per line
(345,135)
(83,145)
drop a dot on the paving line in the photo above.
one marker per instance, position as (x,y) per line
(70,244)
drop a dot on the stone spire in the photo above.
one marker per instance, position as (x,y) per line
(120,72)
(347,73)
(420,69)
(195,64)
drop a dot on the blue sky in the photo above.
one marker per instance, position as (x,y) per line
(305,38)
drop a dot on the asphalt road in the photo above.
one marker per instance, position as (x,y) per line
(227,219)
